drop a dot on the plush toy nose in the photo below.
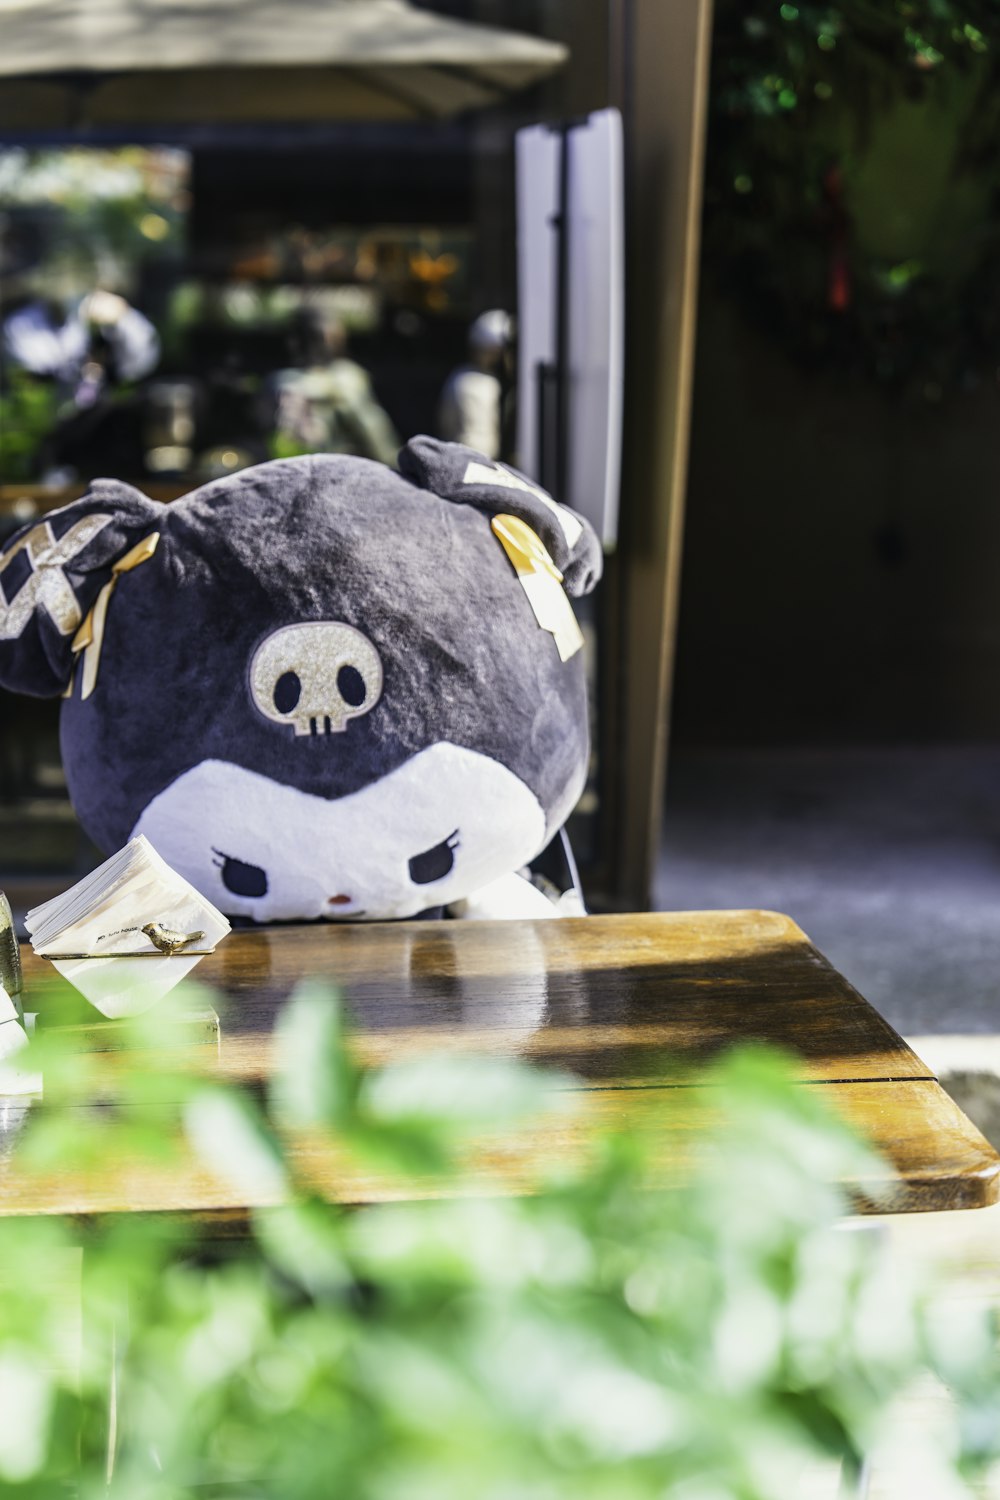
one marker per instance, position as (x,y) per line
(340,900)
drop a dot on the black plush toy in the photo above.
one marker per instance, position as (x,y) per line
(320,688)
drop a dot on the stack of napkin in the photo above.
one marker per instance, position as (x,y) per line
(91,931)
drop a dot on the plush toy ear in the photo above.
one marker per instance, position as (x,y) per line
(460,474)
(51,574)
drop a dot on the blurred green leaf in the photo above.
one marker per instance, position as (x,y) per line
(314,1080)
(26,1403)
(459,1093)
(231,1137)
(305,1242)
(600,1339)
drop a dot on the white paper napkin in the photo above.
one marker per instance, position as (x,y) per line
(104,914)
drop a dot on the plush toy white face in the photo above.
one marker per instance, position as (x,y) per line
(440,826)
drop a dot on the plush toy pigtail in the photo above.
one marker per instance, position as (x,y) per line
(460,474)
(56,575)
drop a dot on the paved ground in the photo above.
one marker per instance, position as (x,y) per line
(890,860)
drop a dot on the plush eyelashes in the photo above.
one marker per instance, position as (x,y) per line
(239,877)
(243,879)
(434,863)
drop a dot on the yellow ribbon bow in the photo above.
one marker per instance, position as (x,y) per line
(90,636)
(541,581)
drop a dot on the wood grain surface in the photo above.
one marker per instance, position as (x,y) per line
(629,1006)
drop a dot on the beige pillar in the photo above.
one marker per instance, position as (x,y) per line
(666,57)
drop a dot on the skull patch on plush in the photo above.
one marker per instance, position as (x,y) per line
(320,688)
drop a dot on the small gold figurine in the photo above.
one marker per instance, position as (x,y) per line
(167,940)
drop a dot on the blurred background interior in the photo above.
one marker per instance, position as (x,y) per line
(203,268)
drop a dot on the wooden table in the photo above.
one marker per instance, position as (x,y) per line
(629,1005)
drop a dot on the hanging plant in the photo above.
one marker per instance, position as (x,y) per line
(853,184)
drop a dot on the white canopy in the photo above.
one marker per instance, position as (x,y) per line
(122,62)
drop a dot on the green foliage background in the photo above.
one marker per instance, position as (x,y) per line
(852,201)
(600,1338)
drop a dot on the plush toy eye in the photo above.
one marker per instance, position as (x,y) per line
(240,878)
(351,686)
(287,692)
(436,863)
